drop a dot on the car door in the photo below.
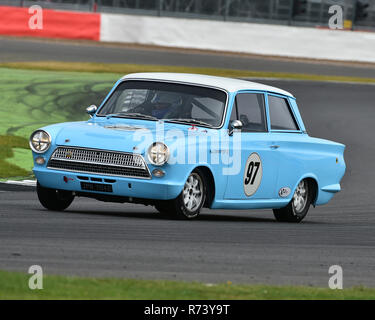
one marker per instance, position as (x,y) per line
(259,166)
(287,135)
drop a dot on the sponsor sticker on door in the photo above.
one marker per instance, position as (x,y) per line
(284,192)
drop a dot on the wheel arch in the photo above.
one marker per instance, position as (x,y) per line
(210,185)
(313,181)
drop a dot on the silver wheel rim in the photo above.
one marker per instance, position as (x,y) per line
(193,192)
(300,198)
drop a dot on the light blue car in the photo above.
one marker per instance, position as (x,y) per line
(181,142)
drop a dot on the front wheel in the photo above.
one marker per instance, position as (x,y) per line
(56,200)
(298,207)
(190,201)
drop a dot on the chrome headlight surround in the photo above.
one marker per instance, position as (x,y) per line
(158,153)
(40,141)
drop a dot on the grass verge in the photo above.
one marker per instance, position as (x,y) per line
(14,285)
(30,99)
(130,68)
(15,168)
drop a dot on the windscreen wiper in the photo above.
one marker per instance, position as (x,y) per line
(194,121)
(141,115)
(115,115)
(131,115)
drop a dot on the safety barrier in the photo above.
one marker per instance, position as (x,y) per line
(252,38)
(54,24)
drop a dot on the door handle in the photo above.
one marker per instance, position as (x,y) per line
(274,147)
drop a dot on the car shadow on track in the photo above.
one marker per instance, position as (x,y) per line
(205,216)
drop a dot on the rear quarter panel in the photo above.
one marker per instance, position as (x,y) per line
(303,157)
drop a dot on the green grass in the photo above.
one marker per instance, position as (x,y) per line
(11,166)
(31,99)
(130,68)
(15,286)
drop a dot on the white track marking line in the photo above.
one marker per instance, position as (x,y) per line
(22,183)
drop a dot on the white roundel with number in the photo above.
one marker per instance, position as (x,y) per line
(253,174)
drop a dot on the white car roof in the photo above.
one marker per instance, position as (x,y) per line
(228,84)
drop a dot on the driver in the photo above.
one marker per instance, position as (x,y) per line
(164,102)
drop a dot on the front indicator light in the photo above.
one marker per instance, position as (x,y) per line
(40,160)
(158,173)
(40,141)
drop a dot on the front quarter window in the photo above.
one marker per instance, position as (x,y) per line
(249,108)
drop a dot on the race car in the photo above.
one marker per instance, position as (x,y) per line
(181,142)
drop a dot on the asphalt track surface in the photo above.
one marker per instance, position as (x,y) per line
(14,49)
(132,241)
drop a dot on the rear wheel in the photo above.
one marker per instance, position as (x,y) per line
(298,207)
(56,200)
(190,201)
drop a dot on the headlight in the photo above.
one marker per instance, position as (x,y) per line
(40,141)
(158,153)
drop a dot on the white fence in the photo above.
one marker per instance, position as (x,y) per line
(274,40)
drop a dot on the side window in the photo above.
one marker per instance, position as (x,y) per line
(251,112)
(280,114)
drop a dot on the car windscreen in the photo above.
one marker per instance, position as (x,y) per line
(166,101)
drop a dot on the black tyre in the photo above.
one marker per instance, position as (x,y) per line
(298,207)
(164,208)
(56,200)
(189,202)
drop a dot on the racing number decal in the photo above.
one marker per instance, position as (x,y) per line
(253,174)
(250,169)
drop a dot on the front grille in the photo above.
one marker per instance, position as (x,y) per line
(99,156)
(99,161)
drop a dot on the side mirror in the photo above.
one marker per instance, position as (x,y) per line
(91,110)
(235,125)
